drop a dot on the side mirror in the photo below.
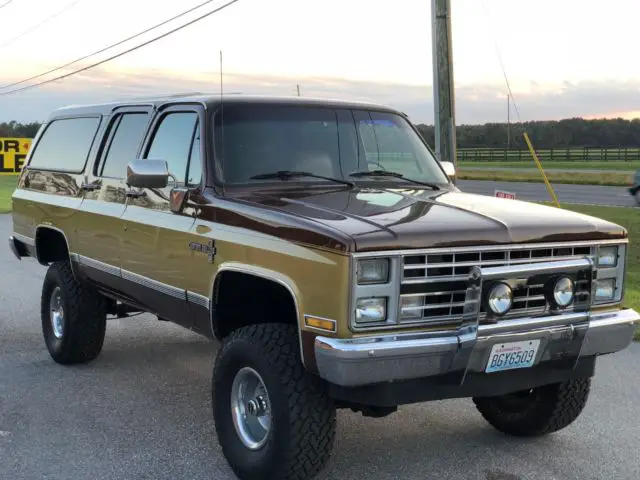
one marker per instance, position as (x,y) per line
(449,168)
(147,173)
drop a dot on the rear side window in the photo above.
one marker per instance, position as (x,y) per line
(123,144)
(65,144)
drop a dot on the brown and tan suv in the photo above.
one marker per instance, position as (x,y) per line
(331,255)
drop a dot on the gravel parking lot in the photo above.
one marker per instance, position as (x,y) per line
(142,410)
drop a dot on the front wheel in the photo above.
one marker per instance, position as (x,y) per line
(273,419)
(538,411)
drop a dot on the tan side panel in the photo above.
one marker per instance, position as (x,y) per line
(99,223)
(319,280)
(156,245)
(47,198)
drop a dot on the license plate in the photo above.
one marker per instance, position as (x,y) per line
(507,356)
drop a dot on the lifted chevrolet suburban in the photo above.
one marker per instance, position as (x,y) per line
(331,255)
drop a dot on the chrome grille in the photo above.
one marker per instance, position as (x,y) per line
(436,281)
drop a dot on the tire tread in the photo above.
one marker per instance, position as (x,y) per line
(85,315)
(312,412)
(558,405)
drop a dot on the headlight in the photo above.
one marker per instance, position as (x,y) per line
(607,256)
(371,310)
(563,292)
(411,307)
(500,298)
(605,289)
(373,271)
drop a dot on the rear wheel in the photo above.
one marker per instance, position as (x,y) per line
(538,411)
(273,419)
(73,316)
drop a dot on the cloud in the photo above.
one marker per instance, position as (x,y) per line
(474,103)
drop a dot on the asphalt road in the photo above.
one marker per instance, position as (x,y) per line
(142,411)
(592,194)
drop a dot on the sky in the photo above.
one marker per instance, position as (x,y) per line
(562,58)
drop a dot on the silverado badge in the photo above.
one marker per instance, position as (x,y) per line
(209,248)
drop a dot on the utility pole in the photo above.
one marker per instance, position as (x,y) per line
(298,85)
(443,88)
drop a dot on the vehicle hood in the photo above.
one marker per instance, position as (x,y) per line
(381,219)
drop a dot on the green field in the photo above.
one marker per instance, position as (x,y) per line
(630,219)
(7,185)
(623,166)
(581,178)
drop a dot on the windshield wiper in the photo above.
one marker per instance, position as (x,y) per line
(288,174)
(387,173)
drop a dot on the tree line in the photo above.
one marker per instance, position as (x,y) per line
(571,132)
(19,130)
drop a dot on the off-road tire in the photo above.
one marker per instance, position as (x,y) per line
(303,426)
(85,317)
(547,409)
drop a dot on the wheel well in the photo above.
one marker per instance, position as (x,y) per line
(51,246)
(242,299)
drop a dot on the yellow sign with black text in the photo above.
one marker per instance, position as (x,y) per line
(13,153)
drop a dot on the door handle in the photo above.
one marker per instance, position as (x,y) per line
(89,187)
(135,193)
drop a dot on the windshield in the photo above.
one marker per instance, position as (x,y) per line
(254,140)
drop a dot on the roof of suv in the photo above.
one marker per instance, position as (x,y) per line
(213,100)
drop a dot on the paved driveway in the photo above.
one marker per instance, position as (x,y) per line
(142,411)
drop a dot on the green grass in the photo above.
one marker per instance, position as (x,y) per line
(581,178)
(594,165)
(630,219)
(7,186)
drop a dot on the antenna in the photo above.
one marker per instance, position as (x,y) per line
(221,117)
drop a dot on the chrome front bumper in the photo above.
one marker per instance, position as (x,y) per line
(386,358)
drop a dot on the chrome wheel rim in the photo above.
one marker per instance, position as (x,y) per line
(56,313)
(250,408)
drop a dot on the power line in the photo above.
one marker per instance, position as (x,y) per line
(525,135)
(113,57)
(35,27)
(499,55)
(6,3)
(3,87)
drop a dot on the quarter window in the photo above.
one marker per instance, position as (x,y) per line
(177,141)
(65,144)
(123,146)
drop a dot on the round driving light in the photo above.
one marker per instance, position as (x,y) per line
(563,291)
(500,298)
